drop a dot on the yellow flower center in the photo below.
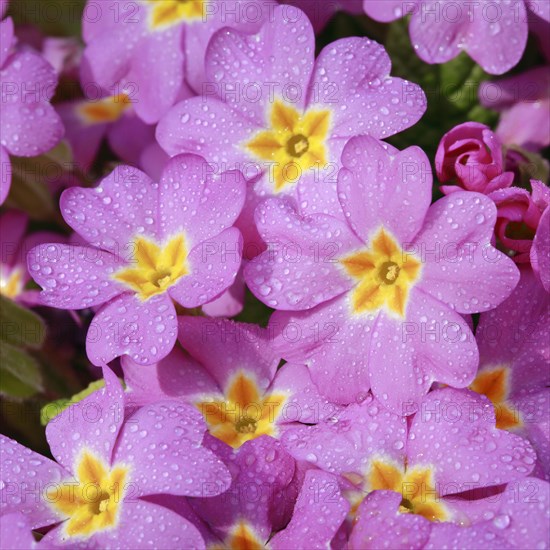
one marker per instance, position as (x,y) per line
(241,537)
(244,414)
(108,109)
(297,146)
(494,383)
(165,13)
(11,283)
(416,486)
(294,143)
(156,268)
(92,502)
(385,275)
(388,272)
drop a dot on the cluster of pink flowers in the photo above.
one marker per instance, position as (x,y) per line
(398,395)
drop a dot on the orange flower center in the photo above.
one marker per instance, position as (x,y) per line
(243,413)
(494,383)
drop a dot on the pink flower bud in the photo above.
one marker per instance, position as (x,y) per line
(470,156)
(518,217)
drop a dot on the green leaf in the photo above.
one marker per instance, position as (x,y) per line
(19,373)
(254,311)
(54,17)
(20,420)
(30,176)
(19,326)
(533,167)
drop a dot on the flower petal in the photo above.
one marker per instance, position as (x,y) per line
(319,505)
(84,140)
(300,269)
(282,52)
(30,125)
(29,129)
(209,127)
(157,73)
(387,10)
(91,424)
(177,375)
(515,335)
(213,266)
(540,251)
(6,39)
(129,137)
(197,201)
(108,54)
(146,331)
(304,401)
(5,174)
(74,277)
(496,41)
(355,73)
(526,505)
(15,532)
(162,441)
(438,39)
(346,442)
(382,186)
(461,267)
(230,303)
(379,524)
(261,467)
(110,215)
(224,347)
(334,345)
(25,475)
(451,535)
(471,452)
(431,343)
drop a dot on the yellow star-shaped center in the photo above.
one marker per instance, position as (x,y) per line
(294,143)
(385,275)
(244,413)
(416,485)
(166,13)
(156,268)
(93,500)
